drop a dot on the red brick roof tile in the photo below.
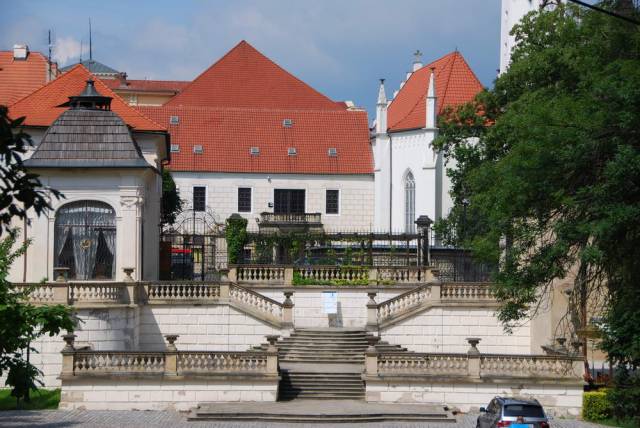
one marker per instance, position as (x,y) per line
(41,107)
(455,84)
(19,78)
(147,85)
(245,78)
(227,135)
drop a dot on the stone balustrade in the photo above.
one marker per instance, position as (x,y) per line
(359,275)
(466,291)
(472,365)
(170,363)
(427,295)
(96,292)
(180,291)
(424,364)
(544,366)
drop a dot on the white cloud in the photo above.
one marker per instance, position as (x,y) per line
(65,49)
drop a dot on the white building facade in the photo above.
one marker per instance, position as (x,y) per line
(410,175)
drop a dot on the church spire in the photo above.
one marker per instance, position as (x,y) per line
(432,112)
(381,110)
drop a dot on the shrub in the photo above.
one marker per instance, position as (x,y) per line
(625,396)
(595,406)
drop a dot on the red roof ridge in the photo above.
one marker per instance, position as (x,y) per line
(102,88)
(247,50)
(247,109)
(40,88)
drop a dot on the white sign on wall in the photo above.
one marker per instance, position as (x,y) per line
(330,302)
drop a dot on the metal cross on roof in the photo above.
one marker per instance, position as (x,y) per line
(418,55)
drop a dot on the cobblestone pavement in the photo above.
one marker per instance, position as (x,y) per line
(148,419)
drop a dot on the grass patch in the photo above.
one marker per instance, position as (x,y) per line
(611,422)
(40,399)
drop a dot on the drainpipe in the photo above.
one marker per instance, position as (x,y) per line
(390,181)
(24,256)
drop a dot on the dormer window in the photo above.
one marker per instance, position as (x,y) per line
(332,152)
(287,123)
(292,151)
(175,148)
(198,149)
(174,120)
(255,151)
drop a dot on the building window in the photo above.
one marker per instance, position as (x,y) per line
(333,202)
(85,240)
(289,201)
(199,198)
(409,203)
(244,199)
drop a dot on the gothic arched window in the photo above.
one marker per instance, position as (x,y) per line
(85,240)
(409,203)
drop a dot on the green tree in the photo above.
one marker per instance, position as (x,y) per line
(20,322)
(20,190)
(548,165)
(171,203)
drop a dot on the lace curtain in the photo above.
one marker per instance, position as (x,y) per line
(82,223)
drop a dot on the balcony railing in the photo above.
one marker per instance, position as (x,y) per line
(273,219)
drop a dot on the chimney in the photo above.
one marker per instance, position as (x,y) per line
(20,52)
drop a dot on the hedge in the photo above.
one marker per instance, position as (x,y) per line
(595,406)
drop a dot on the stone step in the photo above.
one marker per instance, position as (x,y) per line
(324,410)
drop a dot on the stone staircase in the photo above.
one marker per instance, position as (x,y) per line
(324,363)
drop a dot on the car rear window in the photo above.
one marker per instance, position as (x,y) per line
(527,411)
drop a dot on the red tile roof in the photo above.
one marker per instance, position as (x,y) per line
(245,78)
(41,107)
(19,78)
(455,84)
(227,135)
(173,86)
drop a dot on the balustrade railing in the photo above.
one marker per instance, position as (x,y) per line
(403,303)
(117,362)
(333,273)
(259,274)
(222,362)
(172,362)
(403,275)
(466,291)
(96,292)
(181,291)
(473,365)
(423,364)
(541,366)
(43,293)
(256,301)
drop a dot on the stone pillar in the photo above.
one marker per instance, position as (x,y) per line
(474,357)
(171,356)
(129,251)
(288,275)
(435,291)
(232,274)
(68,353)
(373,275)
(60,293)
(224,292)
(371,357)
(287,310)
(272,354)
(372,312)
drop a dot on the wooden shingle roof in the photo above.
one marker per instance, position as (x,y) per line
(87,138)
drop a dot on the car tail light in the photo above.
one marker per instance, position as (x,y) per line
(544,425)
(502,424)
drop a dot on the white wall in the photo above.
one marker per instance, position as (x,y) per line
(156,394)
(201,328)
(557,400)
(445,330)
(135,197)
(411,151)
(356,195)
(511,13)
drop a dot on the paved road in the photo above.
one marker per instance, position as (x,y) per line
(148,419)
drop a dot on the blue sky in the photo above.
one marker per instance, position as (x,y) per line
(340,47)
